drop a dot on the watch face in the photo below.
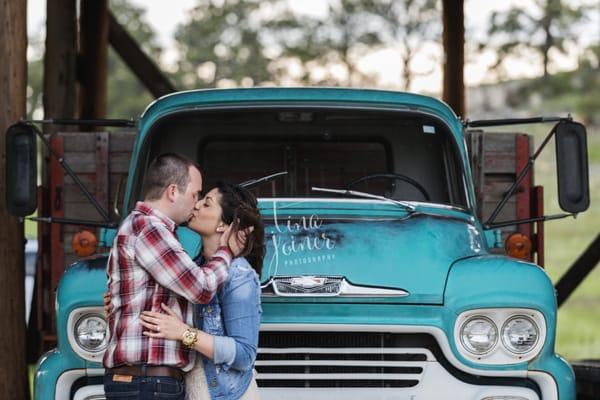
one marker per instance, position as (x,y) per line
(188,337)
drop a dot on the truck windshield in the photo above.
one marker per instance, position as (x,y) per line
(404,157)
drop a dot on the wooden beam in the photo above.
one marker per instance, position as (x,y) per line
(60,62)
(140,64)
(60,101)
(578,271)
(13,82)
(454,55)
(93,58)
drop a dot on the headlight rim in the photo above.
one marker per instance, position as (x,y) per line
(499,355)
(82,317)
(73,316)
(537,338)
(471,318)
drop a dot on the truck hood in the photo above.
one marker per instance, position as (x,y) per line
(378,249)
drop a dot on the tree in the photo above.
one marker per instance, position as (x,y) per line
(517,30)
(405,26)
(221,43)
(13,80)
(334,45)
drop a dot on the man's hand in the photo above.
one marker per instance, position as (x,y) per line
(236,241)
(107,305)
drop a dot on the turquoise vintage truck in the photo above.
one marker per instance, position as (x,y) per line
(381,279)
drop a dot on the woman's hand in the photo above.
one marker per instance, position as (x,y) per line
(235,240)
(159,325)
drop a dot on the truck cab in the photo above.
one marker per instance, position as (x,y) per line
(379,281)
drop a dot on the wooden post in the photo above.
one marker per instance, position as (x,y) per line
(60,61)
(60,101)
(13,83)
(454,55)
(93,53)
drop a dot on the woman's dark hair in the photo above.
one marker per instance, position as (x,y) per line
(240,208)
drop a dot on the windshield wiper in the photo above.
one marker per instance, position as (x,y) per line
(347,192)
(252,183)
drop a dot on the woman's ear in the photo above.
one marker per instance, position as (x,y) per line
(221,227)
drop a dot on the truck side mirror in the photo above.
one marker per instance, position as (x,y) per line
(572,167)
(21,169)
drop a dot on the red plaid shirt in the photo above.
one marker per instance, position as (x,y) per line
(148,266)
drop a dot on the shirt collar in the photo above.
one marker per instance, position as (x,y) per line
(145,209)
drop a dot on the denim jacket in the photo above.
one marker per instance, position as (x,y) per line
(233,318)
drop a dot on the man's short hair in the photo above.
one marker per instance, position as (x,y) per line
(164,170)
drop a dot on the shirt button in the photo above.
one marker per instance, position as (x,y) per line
(209,309)
(213,383)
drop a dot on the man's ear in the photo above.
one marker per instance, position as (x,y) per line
(171,192)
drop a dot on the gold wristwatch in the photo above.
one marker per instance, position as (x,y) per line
(190,337)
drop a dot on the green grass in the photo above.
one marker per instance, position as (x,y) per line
(30,229)
(31,369)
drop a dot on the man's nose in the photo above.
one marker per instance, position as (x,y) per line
(197,205)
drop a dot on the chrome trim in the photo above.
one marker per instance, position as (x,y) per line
(535,325)
(91,392)
(66,380)
(462,328)
(311,289)
(436,332)
(547,385)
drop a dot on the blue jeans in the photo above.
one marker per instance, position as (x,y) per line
(144,388)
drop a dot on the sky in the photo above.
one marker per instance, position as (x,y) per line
(164,16)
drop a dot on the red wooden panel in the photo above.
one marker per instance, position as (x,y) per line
(523,194)
(56,206)
(538,204)
(102,186)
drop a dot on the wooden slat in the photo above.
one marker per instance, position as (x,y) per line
(121,141)
(523,194)
(102,174)
(56,208)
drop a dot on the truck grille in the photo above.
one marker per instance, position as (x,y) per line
(340,360)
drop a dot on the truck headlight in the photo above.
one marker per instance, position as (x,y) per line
(520,334)
(87,332)
(479,335)
(90,332)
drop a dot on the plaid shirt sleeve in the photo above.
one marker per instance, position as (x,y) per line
(159,252)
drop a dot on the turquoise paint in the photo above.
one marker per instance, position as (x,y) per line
(440,255)
(562,373)
(49,368)
(378,247)
(82,285)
